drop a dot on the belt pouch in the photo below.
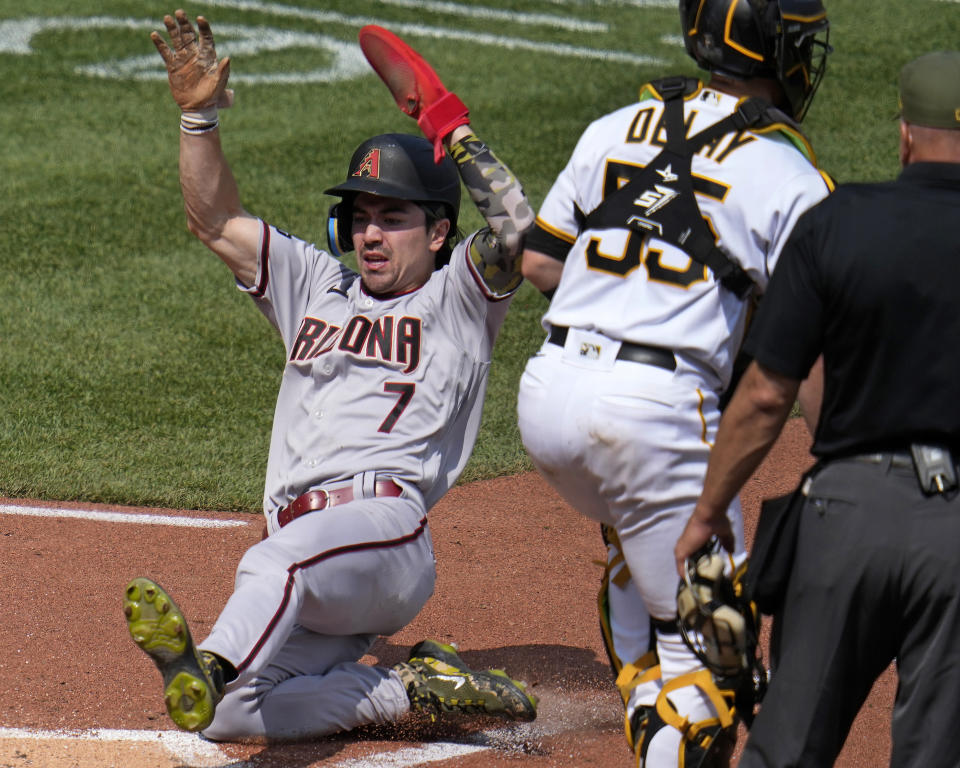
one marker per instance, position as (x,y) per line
(774,545)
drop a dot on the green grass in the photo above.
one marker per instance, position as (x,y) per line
(131,369)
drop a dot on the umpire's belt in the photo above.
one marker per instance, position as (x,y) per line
(898,459)
(635,353)
(323,498)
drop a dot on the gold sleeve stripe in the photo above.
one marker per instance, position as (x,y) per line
(558,233)
(831,184)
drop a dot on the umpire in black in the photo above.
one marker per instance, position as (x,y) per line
(870,279)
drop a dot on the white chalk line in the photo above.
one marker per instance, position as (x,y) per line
(411,756)
(16,36)
(670,4)
(186,747)
(120,517)
(196,752)
(439,33)
(435,6)
(496,14)
(347,61)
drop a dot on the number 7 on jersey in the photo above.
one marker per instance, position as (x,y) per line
(406,394)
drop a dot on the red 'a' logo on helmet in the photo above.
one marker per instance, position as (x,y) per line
(369,166)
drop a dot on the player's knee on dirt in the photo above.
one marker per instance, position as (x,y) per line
(664,737)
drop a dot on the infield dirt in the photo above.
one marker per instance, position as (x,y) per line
(516,589)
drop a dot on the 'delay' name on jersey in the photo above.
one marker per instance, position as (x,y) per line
(388,338)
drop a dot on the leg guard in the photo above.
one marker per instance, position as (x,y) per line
(663,737)
(628,632)
(624,623)
(639,685)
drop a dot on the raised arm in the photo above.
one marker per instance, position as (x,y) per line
(497,249)
(443,118)
(211,198)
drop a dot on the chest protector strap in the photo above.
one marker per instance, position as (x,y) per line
(659,199)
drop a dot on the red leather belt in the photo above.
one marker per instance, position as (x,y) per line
(323,498)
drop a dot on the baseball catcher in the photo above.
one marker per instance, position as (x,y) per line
(655,243)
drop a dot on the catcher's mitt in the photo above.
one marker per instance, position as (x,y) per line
(415,86)
(720,624)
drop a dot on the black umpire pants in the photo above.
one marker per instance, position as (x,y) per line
(876,578)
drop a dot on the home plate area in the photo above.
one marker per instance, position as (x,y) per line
(517,580)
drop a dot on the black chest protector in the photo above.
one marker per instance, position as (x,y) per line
(659,198)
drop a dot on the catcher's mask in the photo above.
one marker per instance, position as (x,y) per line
(786,40)
(396,165)
(720,624)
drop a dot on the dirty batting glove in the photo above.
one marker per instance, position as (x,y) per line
(198,82)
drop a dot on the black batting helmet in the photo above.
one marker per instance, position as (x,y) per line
(785,40)
(396,165)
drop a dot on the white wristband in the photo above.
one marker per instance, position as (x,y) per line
(201,121)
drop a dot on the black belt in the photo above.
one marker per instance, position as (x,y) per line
(635,353)
(899,459)
(936,467)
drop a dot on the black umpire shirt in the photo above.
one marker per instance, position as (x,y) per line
(870,277)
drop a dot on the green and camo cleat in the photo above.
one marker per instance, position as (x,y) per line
(192,679)
(438,681)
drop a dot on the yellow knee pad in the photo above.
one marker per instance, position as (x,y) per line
(646,669)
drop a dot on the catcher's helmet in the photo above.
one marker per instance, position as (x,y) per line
(786,40)
(396,165)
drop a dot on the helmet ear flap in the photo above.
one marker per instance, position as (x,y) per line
(338,229)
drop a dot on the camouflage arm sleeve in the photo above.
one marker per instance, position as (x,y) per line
(496,249)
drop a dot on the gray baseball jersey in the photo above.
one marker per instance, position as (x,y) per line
(374,388)
(390,385)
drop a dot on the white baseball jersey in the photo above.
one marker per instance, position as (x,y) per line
(624,442)
(751,188)
(393,385)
